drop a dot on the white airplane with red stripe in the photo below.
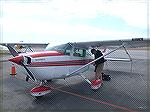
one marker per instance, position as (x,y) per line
(65,60)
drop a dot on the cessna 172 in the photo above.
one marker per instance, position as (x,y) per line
(66,60)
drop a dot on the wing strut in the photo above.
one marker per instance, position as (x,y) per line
(87,80)
(129,58)
(127,53)
(29,47)
(94,60)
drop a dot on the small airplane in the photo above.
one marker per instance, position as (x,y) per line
(66,60)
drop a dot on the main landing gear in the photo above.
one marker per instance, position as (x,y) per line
(96,84)
(42,90)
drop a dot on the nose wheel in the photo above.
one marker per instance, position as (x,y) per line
(38,97)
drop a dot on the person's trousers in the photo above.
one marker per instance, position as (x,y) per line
(99,69)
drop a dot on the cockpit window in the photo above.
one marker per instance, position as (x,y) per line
(56,48)
(64,48)
(69,49)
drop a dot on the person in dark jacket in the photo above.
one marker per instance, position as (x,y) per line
(99,64)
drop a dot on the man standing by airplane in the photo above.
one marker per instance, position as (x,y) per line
(99,64)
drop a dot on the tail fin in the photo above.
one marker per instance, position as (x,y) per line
(12,50)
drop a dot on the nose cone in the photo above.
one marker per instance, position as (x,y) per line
(16,59)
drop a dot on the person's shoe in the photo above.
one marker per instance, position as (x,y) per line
(96,84)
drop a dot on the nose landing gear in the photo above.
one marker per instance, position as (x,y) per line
(40,91)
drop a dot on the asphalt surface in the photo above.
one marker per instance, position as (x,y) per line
(126,91)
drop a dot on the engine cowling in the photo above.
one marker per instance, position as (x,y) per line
(26,60)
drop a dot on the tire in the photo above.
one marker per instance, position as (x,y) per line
(95,90)
(38,97)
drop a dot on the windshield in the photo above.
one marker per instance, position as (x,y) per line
(60,48)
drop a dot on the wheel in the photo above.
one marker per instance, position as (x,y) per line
(38,97)
(95,90)
(40,91)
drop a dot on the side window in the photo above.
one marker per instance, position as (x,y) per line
(68,50)
(79,52)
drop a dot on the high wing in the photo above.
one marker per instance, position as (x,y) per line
(112,44)
(130,43)
(116,44)
(25,46)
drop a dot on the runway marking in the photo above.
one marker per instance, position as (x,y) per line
(98,101)
(84,97)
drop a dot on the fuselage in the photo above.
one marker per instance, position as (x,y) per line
(54,63)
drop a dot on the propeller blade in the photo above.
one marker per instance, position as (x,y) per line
(30,74)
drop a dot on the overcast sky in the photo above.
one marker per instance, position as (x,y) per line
(64,21)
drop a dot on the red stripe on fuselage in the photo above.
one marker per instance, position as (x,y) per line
(19,59)
(45,53)
(60,63)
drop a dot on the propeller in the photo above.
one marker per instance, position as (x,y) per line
(15,53)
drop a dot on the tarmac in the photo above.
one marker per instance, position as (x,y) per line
(127,90)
